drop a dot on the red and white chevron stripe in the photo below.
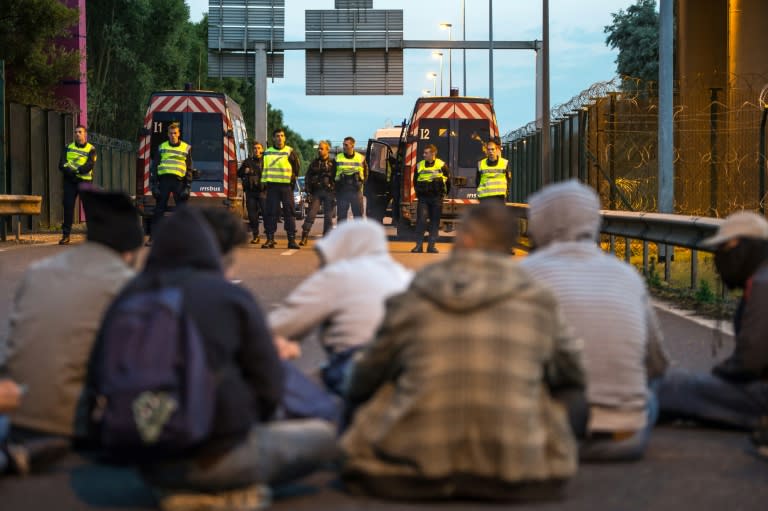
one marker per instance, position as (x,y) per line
(196,104)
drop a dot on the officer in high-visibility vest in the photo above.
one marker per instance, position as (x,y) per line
(431,182)
(171,172)
(351,174)
(493,174)
(76,164)
(281,169)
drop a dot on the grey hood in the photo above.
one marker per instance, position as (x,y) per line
(353,239)
(470,279)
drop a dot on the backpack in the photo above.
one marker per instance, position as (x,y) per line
(154,392)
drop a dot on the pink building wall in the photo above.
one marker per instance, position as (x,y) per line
(76,88)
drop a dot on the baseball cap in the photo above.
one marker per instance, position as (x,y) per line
(743,224)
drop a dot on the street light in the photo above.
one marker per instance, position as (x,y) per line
(439,55)
(426,92)
(449,27)
(433,76)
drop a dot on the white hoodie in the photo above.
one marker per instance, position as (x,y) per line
(346,296)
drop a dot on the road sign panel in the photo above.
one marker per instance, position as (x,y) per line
(364,72)
(241,65)
(238,24)
(354,4)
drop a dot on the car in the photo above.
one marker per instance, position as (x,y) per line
(300,199)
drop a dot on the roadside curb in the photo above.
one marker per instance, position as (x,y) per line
(724,326)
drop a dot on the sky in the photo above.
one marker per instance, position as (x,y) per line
(578,58)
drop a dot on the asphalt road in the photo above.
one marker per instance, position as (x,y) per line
(685,467)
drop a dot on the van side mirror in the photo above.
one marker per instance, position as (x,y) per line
(229,134)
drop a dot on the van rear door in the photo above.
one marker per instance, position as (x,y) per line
(207,140)
(472,136)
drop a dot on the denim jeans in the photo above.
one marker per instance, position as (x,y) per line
(5,427)
(324,198)
(625,449)
(710,399)
(274,453)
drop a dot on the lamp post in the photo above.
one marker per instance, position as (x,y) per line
(433,76)
(426,92)
(439,55)
(449,27)
(464,38)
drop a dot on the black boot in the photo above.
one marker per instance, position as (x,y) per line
(432,249)
(270,243)
(304,238)
(418,249)
(292,243)
(64,239)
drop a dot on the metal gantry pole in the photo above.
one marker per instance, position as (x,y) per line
(450,61)
(490,50)
(464,38)
(546,147)
(260,86)
(666,146)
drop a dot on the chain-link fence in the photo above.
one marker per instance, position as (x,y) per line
(607,137)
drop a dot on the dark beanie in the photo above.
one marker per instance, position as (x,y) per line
(112,220)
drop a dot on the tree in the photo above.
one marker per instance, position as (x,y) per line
(635,33)
(35,62)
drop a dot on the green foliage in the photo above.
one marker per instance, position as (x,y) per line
(635,33)
(654,279)
(35,63)
(155,47)
(705,294)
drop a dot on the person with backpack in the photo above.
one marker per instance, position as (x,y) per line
(200,430)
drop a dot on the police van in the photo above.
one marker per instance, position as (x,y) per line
(459,127)
(212,123)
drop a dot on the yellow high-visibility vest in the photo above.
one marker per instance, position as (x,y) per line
(277,166)
(173,160)
(350,166)
(493,178)
(77,157)
(425,173)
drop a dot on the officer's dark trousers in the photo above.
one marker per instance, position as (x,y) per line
(430,207)
(255,202)
(346,199)
(277,194)
(169,184)
(71,191)
(326,198)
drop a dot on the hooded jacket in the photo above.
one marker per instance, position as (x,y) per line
(238,343)
(458,381)
(346,296)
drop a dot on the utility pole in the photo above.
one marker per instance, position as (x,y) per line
(464,38)
(666,163)
(490,50)
(547,176)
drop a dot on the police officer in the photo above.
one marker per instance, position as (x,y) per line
(281,169)
(351,174)
(171,172)
(250,173)
(493,174)
(432,182)
(76,164)
(320,186)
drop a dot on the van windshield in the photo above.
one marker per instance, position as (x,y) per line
(473,134)
(207,138)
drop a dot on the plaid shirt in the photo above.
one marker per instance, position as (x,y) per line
(458,379)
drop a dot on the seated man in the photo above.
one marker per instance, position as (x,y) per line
(243,451)
(455,395)
(735,394)
(345,297)
(606,303)
(57,311)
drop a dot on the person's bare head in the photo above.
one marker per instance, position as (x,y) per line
(278,138)
(323,150)
(349,146)
(229,232)
(258,149)
(174,133)
(493,150)
(489,227)
(430,152)
(81,134)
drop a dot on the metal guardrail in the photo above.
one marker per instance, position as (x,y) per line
(664,230)
(18,205)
